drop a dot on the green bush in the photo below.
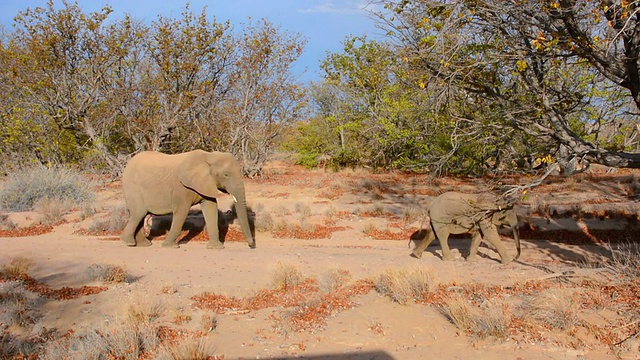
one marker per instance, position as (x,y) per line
(23,189)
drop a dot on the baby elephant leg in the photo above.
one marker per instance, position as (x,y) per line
(490,234)
(475,243)
(424,244)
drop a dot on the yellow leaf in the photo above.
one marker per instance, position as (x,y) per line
(521,65)
(422,85)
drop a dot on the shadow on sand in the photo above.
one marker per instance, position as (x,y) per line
(195,224)
(367,355)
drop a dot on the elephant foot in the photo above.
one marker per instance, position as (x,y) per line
(448,257)
(129,242)
(507,260)
(416,255)
(472,258)
(144,242)
(215,245)
(170,245)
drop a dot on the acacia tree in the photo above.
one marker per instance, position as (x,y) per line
(385,113)
(191,59)
(556,71)
(62,62)
(375,114)
(264,98)
(77,87)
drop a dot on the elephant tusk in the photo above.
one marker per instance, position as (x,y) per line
(234,199)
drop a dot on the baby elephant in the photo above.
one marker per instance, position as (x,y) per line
(479,214)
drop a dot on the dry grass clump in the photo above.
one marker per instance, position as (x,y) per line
(302,209)
(136,337)
(264,222)
(376,188)
(133,339)
(286,276)
(333,280)
(129,341)
(457,309)
(87,345)
(414,213)
(6,223)
(24,189)
(112,224)
(404,285)
(199,348)
(18,306)
(556,308)
(52,210)
(144,310)
(17,268)
(625,259)
(490,319)
(110,274)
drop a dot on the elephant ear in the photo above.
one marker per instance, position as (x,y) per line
(196,175)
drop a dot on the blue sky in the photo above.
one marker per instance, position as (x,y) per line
(325,23)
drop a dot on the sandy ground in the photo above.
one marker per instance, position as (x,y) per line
(376,327)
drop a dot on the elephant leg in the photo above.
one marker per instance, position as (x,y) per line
(475,243)
(423,244)
(490,234)
(134,225)
(210,212)
(179,216)
(443,236)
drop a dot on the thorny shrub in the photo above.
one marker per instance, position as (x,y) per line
(109,274)
(23,189)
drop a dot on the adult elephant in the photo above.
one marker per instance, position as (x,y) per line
(459,213)
(159,184)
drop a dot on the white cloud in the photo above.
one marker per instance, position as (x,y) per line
(329,7)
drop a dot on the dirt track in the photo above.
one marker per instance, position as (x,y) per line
(373,328)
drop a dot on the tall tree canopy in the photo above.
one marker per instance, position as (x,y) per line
(86,88)
(561,72)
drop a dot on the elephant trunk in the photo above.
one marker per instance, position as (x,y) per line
(516,237)
(243,218)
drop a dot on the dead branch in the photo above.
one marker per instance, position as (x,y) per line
(510,194)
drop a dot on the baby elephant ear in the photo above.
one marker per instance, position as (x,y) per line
(498,217)
(196,176)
